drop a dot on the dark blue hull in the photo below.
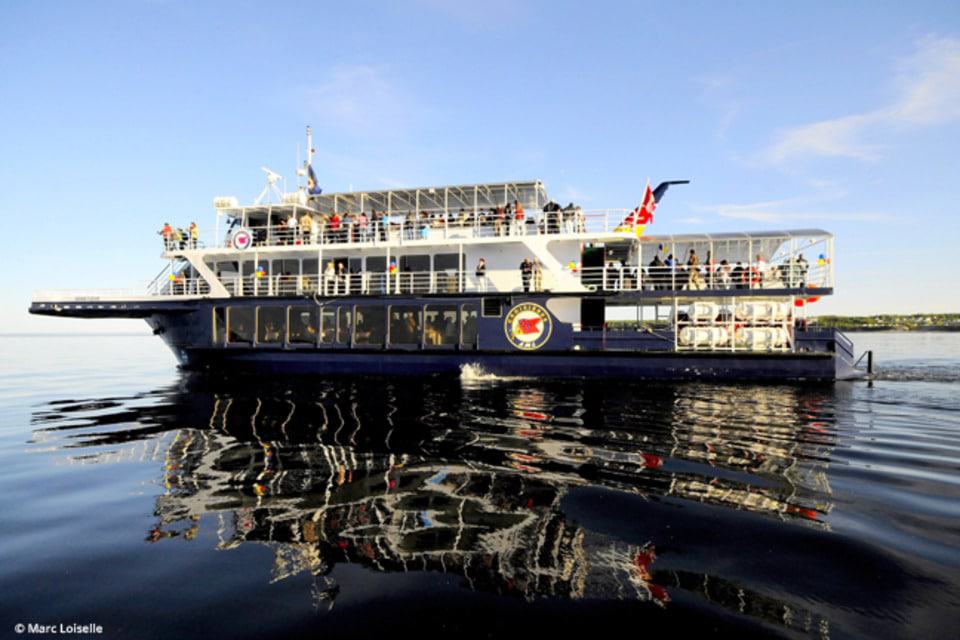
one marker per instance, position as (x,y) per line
(621,365)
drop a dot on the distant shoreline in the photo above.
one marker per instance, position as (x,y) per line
(892,322)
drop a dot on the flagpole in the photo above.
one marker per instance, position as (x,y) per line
(309,145)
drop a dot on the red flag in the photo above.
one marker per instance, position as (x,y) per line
(647,207)
(526,326)
(642,215)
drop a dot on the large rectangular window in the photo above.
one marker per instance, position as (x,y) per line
(302,325)
(440,325)
(240,323)
(405,325)
(468,325)
(343,328)
(270,324)
(370,325)
(328,325)
(219,325)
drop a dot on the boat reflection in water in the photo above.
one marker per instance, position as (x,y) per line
(523,488)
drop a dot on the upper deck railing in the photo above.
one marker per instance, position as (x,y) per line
(427,226)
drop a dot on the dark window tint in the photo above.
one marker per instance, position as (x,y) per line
(240,321)
(328,325)
(404,325)
(270,324)
(370,325)
(302,325)
(440,325)
(468,325)
(219,325)
(492,307)
(343,330)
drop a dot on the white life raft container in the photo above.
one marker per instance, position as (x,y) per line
(761,338)
(762,310)
(704,337)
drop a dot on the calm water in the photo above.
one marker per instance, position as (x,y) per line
(162,505)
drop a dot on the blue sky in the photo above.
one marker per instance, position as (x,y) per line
(118,116)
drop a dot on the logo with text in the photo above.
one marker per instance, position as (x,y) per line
(528,326)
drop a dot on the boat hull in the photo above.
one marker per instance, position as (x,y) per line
(620,365)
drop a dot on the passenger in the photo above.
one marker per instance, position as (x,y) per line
(520,218)
(498,217)
(725,275)
(802,268)
(757,272)
(410,222)
(342,278)
(363,227)
(335,227)
(579,220)
(552,216)
(537,275)
(194,231)
(181,238)
(655,273)
(291,229)
(739,276)
(330,279)
(462,217)
(526,270)
(669,272)
(481,273)
(167,234)
(569,217)
(693,271)
(306,227)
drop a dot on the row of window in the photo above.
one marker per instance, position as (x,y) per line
(416,325)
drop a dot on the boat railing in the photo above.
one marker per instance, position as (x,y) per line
(608,278)
(431,227)
(386,283)
(753,276)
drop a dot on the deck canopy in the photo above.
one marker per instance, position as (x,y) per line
(773,246)
(435,200)
(472,197)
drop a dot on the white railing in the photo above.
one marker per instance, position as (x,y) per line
(91,295)
(605,278)
(702,278)
(387,283)
(430,226)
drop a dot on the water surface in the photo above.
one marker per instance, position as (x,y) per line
(161,504)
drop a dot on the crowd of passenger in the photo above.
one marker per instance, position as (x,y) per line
(694,274)
(178,238)
(510,219)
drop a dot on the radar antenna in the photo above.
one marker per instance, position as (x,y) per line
(271,187)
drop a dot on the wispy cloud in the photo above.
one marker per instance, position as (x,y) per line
(927,84)
(789,210)
(363,100)
(572,194)
(716,91)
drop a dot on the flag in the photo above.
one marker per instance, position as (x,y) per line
(640,217)
(312,187)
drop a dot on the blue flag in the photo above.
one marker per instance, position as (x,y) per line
(312,187)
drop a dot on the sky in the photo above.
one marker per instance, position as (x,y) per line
(118,116)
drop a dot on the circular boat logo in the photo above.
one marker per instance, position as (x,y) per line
(241,239)
(528,326)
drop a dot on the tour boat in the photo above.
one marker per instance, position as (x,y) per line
(496,277)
